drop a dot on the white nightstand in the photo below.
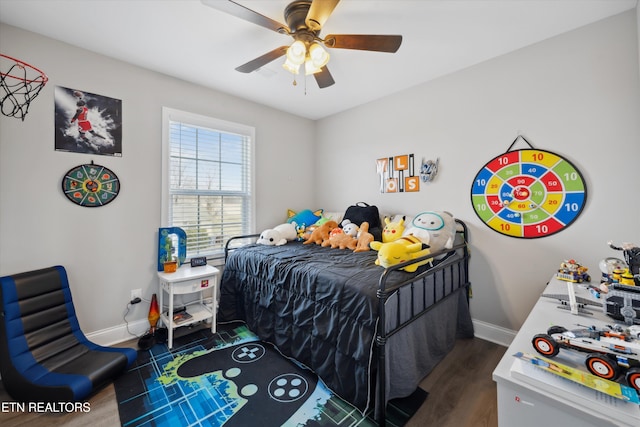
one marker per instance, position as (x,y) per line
(189,280)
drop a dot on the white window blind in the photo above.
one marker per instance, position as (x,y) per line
(209,180)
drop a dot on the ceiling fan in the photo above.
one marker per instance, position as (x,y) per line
(305,19)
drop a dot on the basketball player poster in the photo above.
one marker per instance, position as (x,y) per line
(87,123)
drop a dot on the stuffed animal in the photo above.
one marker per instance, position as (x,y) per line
(341,241)
(335,231)
(364,238)
(404,249)
(300,230)
(278,235)
(392,230)
(436,229)
(349,228)
(308,231)
(321,233)
(304,217)
(343,238)
(324,217)
(333,234)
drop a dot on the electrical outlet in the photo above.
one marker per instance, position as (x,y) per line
(136,293)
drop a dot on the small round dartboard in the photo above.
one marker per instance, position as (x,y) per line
(90,185)
(528,193)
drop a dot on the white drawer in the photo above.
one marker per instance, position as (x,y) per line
(189,286)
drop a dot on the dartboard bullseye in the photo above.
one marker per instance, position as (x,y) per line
(90,185)
(528,193)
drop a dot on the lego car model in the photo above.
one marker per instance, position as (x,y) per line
(611,351)
(572,271)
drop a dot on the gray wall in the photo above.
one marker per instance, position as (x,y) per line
(110,250)
(577,94)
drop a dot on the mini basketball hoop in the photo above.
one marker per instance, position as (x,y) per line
(20,83)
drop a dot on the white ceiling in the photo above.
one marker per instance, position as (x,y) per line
(194,42)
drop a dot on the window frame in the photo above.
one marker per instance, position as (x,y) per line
(193,119)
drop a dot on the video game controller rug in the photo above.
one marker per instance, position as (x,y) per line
(230,378)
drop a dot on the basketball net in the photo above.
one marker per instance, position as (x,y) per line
(20,83)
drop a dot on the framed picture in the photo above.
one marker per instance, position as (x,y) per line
(87,123)
(397,174)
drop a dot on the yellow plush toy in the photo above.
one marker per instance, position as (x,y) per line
(392,230)
(404,249)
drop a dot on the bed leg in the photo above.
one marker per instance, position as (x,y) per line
(381,341)
(382,414)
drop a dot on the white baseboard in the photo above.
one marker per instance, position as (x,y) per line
(493,333)
(118,334)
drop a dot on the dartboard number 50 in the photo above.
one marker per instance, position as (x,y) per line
(528,193)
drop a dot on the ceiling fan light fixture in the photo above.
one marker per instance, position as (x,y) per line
(297,52)
(318,56)
(310,67)
(291,67)
(305,19)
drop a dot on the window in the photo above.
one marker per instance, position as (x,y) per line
(207,180)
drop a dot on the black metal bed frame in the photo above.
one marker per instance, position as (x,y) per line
(408,285)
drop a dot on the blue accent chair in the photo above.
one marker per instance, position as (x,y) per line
(44,356)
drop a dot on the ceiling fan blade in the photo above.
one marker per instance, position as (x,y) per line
(319,12)
(324,78)
(242,12)
(262,60)
(377,43)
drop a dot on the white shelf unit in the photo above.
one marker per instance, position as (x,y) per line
(188,280)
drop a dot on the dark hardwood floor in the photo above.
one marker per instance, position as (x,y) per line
(461,390)
(461,394)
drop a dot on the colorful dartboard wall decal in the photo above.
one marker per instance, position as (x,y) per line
(528,193)
(90,185)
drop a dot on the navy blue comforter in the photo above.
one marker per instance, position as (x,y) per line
(317,305)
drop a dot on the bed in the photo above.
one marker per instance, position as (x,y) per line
(324,307)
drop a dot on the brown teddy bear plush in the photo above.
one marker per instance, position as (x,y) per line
(364,238)
(321,233)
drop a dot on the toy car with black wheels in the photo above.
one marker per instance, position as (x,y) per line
(572,271)
(611,351)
